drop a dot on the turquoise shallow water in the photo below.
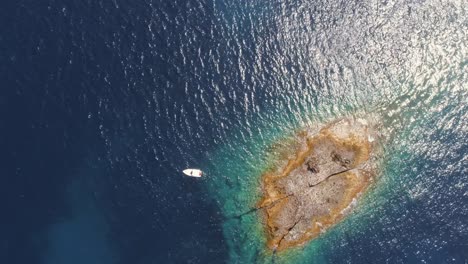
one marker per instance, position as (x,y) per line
(413,173)
(403,64)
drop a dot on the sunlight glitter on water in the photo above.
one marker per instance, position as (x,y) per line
(409,69)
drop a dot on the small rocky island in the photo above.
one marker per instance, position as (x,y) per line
(319,183)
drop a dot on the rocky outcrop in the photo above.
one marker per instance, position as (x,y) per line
(317,186)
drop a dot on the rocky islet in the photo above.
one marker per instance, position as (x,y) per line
(319,184)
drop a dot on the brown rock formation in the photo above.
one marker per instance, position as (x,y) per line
(317,187)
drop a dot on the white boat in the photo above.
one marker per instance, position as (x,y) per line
(193,172)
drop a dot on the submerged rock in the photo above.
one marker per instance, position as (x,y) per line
(318,186)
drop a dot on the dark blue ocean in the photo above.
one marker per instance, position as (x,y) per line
(104,103)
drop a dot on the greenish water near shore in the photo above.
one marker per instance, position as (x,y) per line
(237,168)
(402,65)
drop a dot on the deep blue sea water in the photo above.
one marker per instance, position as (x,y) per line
(103,103)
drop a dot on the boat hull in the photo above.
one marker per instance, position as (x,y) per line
(193,172)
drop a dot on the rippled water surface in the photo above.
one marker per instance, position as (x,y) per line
(105,102)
